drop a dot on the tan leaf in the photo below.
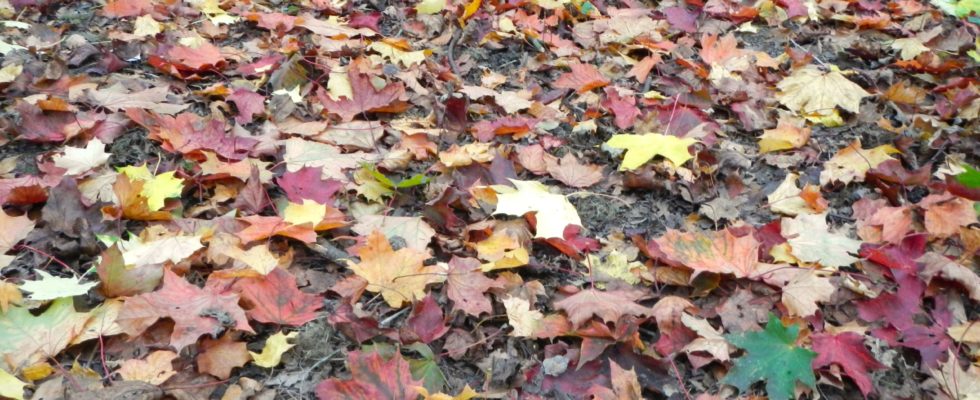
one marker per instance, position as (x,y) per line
(802,287)
(811,241)
(155,369)
(721,252)
(399,275)
(222,355)
(573,173)
(809,90)
(609,306)
(851,163)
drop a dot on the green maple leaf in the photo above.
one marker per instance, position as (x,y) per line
(771,356)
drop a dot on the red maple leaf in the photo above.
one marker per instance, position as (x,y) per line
(466,285)
(427,320)
(582,78)
(195,311)
(847,350)
(188,133)
(275,299)
(372,377)
(517,126)
(308,183)
(366,97)
(624,108)
(248,103)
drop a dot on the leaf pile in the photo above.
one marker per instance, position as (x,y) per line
(449,199)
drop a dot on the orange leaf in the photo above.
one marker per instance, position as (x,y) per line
(582,78)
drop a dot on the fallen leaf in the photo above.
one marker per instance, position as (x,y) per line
(248,104)
(813,242)
(275,299)
(809,90)
(399,276)
(946,214)
(29,338)
(787,135)
(219,356)
(467,285)
(10,386)
(720,252)
(49,287)
(609,306)
(582,78)
(77,160)
(10,294)
(174,249)
(195,311)
(847,350)
(366,97)
(957,383)
(553,212)
(802,287)
(156,188)
(415,231)
(851,163)
(771,356)
(275,346)
(156,369)
(372,377)
(573,173)
(521,317)
(642,148)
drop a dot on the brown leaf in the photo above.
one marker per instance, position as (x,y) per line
(220,356)
(467,285)
(572,173)
(720,252)
(609,306)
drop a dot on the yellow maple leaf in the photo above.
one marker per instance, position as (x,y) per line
(851,163)
(155,369)
(641,148)
(430,6)
(310,212)
(399,276)
(10,386)
(156,188)
(275,346)
(396,55)
(810,90)
(553,212)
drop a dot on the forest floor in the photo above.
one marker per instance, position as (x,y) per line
(453,199)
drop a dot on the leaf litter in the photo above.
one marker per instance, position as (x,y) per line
(455,199)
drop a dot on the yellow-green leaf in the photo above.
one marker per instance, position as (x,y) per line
(275,346)
(642,148)
(430,6)
(10,386)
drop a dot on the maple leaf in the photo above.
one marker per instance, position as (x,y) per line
(29,338)
(248,104)
(802,288)
(809,90)
(466,285)
(399,276)
(720,252)
(301,153)
(10,294)
(811,241)
(573,173)
(174,249)
(945,214)
(525,321)
(220,356)
(622,106)
(200,56)
(787,135)
(372,377)
(156,188)
(365,97)
(191,134)
(50,287)
(276,299)
(517,126)
(15,230)
(553,212)
(307,183)
(117,97)
(77,160)
(155,369)
(10,386)
(609,306)
(263,227)
(582,78)
(771,356)
(275,346)
(847,350)
(955,382)
(427,320)
(851,163)
(642,148)
(195,311)
(415,231)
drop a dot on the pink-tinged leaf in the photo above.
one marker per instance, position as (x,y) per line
(901,258)
(794,8)
(368,20)
(360,329)
(275,299)
(467,285)
(847,350)
(897,309)
(126,8)
(427,320)
(682,18)
(372,378)
(308,183)
(248,104)
(188,133)
(265,65)
(624,108)
(195,311)
(202,57)
(276,22)
(582,78)
(366,97)
(486,130)
(44,126)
